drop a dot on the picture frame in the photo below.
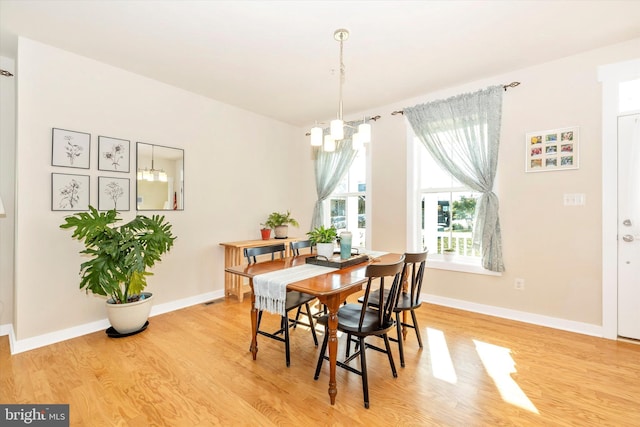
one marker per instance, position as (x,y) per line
(553,149)
(113,193)
(70,149)
(114,154)
(69,192)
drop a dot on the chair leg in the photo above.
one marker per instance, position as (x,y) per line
(295,323)
(310,317)
(285,325)
(400,340)
(322,352)
(416,327)
(347,350)
(363,369)
(388,347)
(259,320)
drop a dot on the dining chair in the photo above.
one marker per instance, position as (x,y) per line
(361,321)
(295,300)
(295,251)
(300,244)
(408,300)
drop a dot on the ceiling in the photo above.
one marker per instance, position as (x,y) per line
(279,58)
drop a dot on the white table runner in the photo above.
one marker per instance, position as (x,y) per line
(270,289)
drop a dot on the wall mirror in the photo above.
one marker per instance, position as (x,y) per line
(160,178)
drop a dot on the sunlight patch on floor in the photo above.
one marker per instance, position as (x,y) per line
(441,363)
(500,365)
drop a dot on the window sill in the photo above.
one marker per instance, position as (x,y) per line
(460,265)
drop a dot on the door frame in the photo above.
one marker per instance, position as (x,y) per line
(610,76)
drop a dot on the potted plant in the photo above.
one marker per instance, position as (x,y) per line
(448,254)
(323,239)
(119,259)
(265,232)
(280,223)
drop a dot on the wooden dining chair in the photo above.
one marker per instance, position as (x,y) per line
(408,300)
(361,321)
(300,244)
(295,300)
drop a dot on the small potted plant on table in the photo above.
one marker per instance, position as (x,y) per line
(280,223)
(323,239)
(265,232)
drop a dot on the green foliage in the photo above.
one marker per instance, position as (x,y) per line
(464,208)
(322,235)
(120,255)
(277,219)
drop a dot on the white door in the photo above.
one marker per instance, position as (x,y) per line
(629,226)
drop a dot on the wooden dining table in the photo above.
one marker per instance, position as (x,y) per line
(331,288)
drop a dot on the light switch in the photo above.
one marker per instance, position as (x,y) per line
(574,199)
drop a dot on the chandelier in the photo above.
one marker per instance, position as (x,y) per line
(336,129)
(152,174)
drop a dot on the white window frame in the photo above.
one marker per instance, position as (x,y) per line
(414,196)
(354,195)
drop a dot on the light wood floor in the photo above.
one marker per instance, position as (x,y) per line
(193,368)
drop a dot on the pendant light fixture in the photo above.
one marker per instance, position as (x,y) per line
(152,174)
(336,128)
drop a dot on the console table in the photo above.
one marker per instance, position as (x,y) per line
(234,255)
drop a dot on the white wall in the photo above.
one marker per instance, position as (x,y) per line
(556,249)
(7,190)
(239,167)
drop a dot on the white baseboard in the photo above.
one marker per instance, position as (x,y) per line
(19,346)
(521,316)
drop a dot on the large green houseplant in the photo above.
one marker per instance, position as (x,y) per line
(280,222)
(119,255)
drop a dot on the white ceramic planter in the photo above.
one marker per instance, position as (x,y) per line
(131,317)
(448,256)
(282,231)
(325,249)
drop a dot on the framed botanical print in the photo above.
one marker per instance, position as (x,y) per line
(69,192)
(113,154)
(70,149)
(113,193)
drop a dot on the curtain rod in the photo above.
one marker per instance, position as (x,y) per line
(512,84)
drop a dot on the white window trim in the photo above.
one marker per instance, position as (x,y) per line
(414,193)
(468,265)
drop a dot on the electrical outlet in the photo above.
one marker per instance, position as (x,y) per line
(519,284)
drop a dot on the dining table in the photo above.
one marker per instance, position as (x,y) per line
(331,288)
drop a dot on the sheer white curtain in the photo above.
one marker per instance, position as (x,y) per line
(330,167)
(462,133)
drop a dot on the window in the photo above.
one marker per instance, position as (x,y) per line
(446,209)
(347,205)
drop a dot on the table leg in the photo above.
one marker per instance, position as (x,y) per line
(254,324)
(404,328)
(228,277)
(333,304)
(238,281)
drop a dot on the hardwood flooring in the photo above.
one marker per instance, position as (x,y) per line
(193,367)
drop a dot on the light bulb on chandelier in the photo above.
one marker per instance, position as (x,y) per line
(337,126)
